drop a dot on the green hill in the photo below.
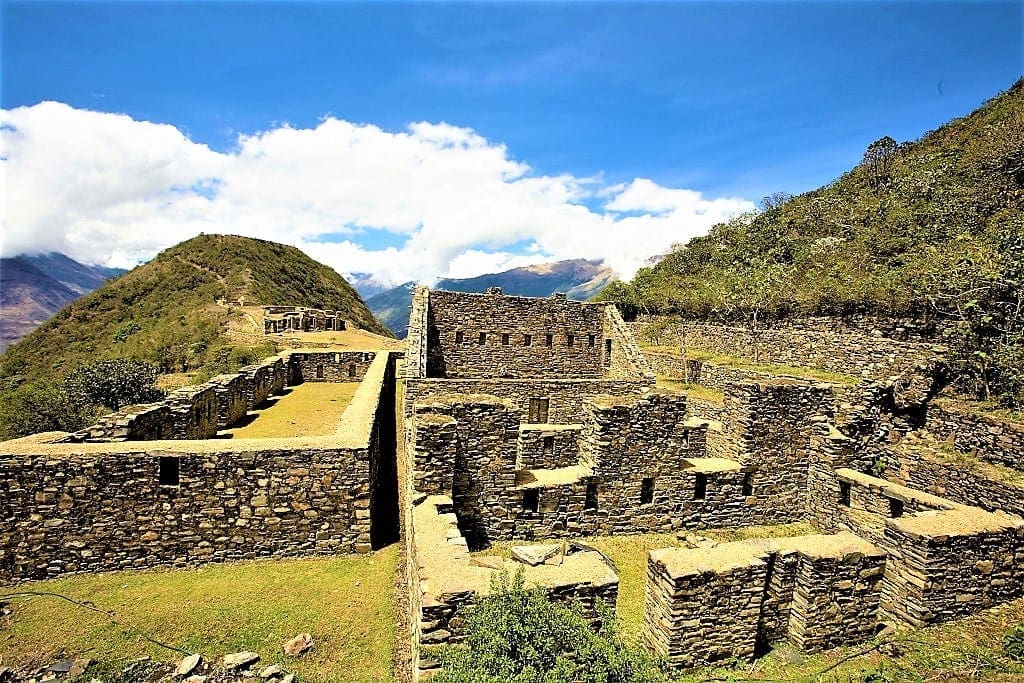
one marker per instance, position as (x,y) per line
(165,311)
(932,229)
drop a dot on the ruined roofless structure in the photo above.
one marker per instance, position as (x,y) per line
(278,319)
(533,418)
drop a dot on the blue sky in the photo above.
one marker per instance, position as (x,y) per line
(730,100)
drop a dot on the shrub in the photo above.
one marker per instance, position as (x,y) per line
(112,383)
(1013,643)
(517,635)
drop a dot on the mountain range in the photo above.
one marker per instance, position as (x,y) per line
(34,288)
(577,278)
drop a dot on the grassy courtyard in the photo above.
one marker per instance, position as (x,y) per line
(347,603)
(309,409)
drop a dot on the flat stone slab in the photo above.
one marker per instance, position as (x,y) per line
(534,554)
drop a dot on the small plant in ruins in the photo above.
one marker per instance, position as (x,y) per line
(516,634)
(1013,643)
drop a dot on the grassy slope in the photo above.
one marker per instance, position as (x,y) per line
(346,603)
(165,310)
(947,215)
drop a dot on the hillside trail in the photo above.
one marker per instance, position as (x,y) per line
(220,279)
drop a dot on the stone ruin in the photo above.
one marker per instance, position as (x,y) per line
(533,419)
(282,319)
(530,419)
(157,485)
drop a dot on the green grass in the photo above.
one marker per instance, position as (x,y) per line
(629,553)
(697,391)
(309,409)
(346,603)
(741,363)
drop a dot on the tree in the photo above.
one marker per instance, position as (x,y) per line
(775,200)
(39,407)
(112,383)
(878,160)
(517,635)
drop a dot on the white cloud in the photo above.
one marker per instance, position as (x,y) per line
(105,188)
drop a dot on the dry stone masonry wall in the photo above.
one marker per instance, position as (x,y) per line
(314,365)
(838,349)
(819,591)
(991,438)
(70,507)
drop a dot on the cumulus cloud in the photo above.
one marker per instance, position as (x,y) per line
(105,188)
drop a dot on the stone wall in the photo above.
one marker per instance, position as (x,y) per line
(896,329)
(622,358)
(310,365)
(950,564)
(771,426)
(548,446)
(915,464)
(996,440)
(819,591)
(416,337)
(263,380)
(447,579)
(838,349)
(565,397)
(231,401)
(492,335)
(193,412)
(67,507)
(88,511)
(131,423)
(639,466)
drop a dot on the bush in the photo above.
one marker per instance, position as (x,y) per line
(112,383)
(40,407)
(517,635)
(1013,643)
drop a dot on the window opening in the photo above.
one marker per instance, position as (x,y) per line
(531,500)
(539,410)
(169,471)
(700,491)
(647,491)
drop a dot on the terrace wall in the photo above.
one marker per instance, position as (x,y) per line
(833,348)
(819,591)
(990,438)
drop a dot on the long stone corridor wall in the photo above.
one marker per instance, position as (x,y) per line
(834,348)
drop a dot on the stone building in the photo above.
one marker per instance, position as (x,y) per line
(280,319)
(538,418)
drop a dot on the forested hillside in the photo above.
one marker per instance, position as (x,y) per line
(928,229)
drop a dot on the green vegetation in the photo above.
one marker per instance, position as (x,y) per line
(346,602)
(165,313)
(697,391)
(309,409)
(517,635)
(629,554)
(932,229)
(741,363)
